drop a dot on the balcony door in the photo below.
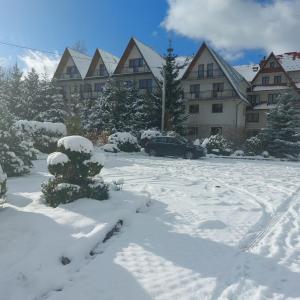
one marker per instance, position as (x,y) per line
(218,89)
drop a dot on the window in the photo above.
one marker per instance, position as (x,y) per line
(201,71)
(210,70)
(272,64)
(215,130)
(272,98)
(192,131)
(277,79)
(254,99)
(145,84)
(265,80)
(71,70)
(98,87)
(128,83)
(102,70)
(217,108)
(135,63)
(195,90)
(252,117)
(218,88)
(194,109)
(87,87)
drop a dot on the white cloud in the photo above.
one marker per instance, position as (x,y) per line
(41,62)
(236,25)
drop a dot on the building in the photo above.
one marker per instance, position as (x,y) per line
(215,95)
(139,65)
(277,74)
(220,98)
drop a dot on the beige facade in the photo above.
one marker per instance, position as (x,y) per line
(212,102)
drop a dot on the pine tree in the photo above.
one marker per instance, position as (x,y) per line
(174,105)
(54,110)
(14,91)
(31,96)
(280,135)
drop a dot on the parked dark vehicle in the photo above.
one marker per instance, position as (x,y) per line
(173,146)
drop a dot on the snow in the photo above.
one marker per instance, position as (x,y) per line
(290,61)
(96,158)
(193,229)
(269,88)
(33,126)
(110,148)
(122,137)
(56,158)
(263,106)
(149,134)
(81,61)
(248,71)
(110,61)
(76,143)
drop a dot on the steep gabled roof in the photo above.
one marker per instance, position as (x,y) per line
(265,62)
(183,61)
(153,60)
(81,61)
(247,71)
(109,60)
(290,61)
(234,78)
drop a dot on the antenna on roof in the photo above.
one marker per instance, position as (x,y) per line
(170,40)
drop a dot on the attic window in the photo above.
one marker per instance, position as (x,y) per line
(101,71)
(272,65)
(136,63)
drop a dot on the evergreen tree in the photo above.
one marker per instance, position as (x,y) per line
(55,110)
(280,135)
(31,96)
(174,105)
(14,90)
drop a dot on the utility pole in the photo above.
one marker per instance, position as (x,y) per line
(163,102)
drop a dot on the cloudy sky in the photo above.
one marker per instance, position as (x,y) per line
(241,30)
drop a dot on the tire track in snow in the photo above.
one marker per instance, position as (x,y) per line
(280,214)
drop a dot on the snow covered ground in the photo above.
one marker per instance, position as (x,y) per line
(199,229)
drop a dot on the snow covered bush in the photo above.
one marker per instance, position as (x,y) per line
(2,182)
(76,170)
(125,141)
(217,144)
(147,135)
(112,148)
(44,135)
(253,146)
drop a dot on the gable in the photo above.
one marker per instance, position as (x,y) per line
(97,66)
(62,71)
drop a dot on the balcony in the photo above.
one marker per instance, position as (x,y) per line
(212,74)
(66,76)
(211,95)
(134,70)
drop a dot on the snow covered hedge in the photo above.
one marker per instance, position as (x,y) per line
(76,170)
(125,141)
(217,144)
(44,135)
(3,178)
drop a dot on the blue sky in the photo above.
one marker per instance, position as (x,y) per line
(108,24)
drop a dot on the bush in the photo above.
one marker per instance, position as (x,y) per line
(217,144)
(76,169)
(43,135)
(253,146)
(3,178)
(125,141)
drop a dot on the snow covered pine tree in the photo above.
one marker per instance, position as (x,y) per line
(76,169)
(280,136)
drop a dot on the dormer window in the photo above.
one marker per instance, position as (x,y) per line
(265,80)
(136,63)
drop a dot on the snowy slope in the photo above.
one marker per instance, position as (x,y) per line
(215,229)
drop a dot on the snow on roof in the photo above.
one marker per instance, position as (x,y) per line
(264,106)
(183,61)
(297,85)
(82,61)
(247,71)
(154,60)
(269,88)
(110,61)
(233,76)
(290,61)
